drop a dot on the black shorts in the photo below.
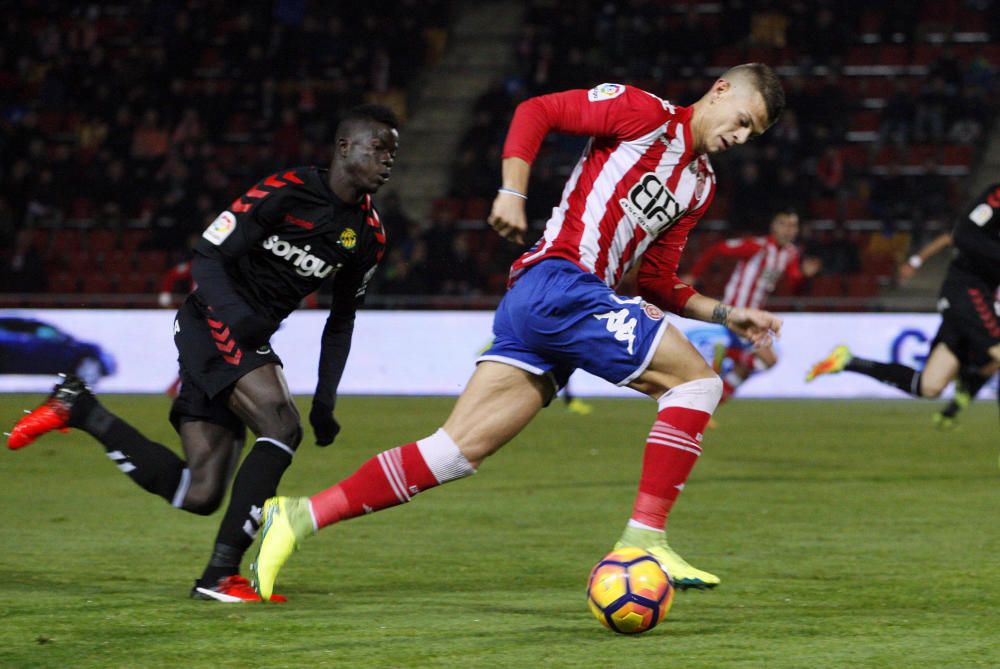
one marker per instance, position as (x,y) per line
(211,361)
(969,322)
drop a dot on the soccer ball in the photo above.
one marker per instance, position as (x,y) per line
(629,592)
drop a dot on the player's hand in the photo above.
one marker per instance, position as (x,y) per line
(811,266)
(507,217)
(253,331)
(906,272)
(325,426)
(759,326)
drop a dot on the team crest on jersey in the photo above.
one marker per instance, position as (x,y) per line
(605,92)
(651,205)
(652,311)
(981,215)
(220,228)
(348,239)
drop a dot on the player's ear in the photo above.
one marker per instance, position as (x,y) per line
(343,146)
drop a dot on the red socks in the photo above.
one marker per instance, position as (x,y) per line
(390,478)
(672,448)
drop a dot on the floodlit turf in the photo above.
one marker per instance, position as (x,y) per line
(847,534)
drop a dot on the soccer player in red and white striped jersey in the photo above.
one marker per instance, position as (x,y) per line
(763,262)
(641,184)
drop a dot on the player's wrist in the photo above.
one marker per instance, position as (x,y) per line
(721,313)
(512,191)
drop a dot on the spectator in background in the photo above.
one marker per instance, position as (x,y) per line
(830,172)
(748,193)
(931,114)
(150,139)
(892,197)
(897,116)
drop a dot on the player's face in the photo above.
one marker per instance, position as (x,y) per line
(785,228)
(370,155)
(735,114)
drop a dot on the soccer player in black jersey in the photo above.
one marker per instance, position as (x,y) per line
(968,341)
(273,246)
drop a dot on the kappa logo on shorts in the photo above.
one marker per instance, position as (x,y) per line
(621,324)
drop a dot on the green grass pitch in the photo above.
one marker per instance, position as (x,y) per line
(847,534)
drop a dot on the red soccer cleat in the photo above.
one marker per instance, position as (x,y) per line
(232,590)
(53,414)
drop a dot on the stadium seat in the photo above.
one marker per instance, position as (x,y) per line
(64,282)
(827,285)
(97,282)
(861,285)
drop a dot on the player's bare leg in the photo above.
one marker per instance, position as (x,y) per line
(498,402)
(687,391)
(262,400)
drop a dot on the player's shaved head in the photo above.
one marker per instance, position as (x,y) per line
(762,78)
(360,118)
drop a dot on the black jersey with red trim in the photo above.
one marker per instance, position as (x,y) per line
(287,235)
(977,239)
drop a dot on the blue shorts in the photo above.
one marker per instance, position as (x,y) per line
(557,318)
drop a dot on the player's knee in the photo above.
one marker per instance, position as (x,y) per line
(203,499)
(702,394)
(931,388)
(713,388)
(281,422)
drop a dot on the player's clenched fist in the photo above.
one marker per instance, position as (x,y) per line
(507,217)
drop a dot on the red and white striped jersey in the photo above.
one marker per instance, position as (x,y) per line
(636,191)
(762,264)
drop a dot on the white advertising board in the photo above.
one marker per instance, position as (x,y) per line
(433,352)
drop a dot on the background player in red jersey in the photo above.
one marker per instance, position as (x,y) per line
(253,265)
(763,262)
(642,183)
(967,344)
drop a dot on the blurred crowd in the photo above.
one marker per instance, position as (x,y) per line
(888,106)
(155,114)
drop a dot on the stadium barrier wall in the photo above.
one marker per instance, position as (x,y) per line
(433,352)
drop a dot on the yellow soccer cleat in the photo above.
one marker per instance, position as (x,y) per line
(718,357)
(286,522)
(682,574)
(831,364)
(579,407)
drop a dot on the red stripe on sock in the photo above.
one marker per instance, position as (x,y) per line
(667,466)
(385,480)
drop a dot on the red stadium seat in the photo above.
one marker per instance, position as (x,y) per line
(861,285)
(135,282)
(64,282)
(131,239)
(894,54)
(957,154)
(97,282)
(827,285)
(101,241)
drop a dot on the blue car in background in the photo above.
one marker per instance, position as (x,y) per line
(30,346)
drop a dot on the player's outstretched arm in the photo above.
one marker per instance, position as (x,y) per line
(757,325)
(914,262)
